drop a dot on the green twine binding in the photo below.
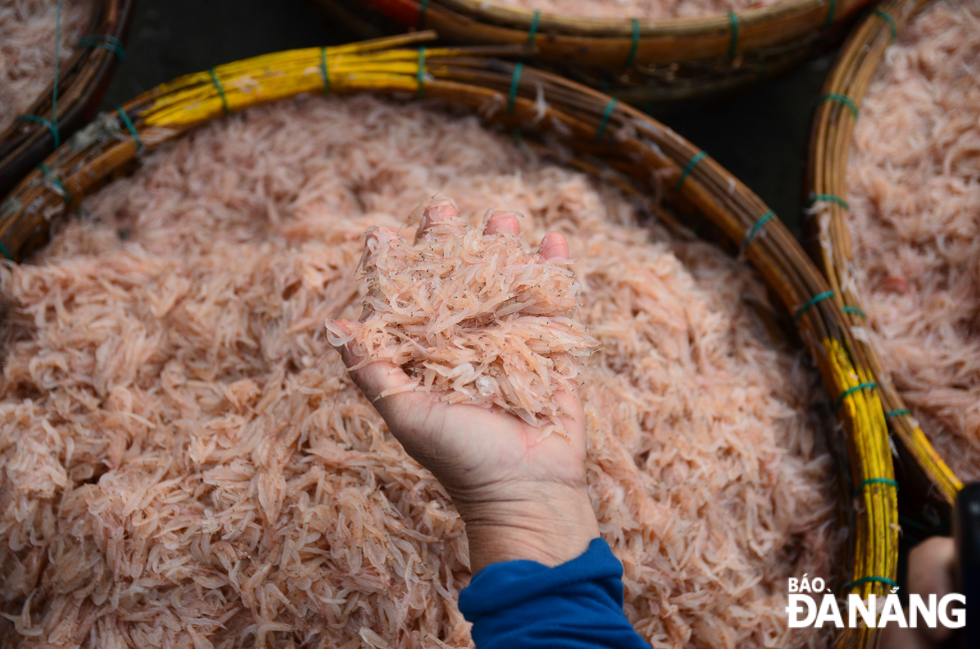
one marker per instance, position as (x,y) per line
(863,580)
(106,42)
(6,253)
(690,167)
(813,300)
(221,91)
(420,23)
(533,32)
(887,17)
(733,21)
(47,124)
(765,218)
(831,10)
(865,483)
(605,119)
(54,90)
(635,45)
(421,74)
(323,71)
(854,310)
(829,198)
(132,129)
(841,99)
(57,181)
(869,385)
(898,413)
(514,84)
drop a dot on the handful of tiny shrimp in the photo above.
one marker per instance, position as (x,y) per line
(478,318)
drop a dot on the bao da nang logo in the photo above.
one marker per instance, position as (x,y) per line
(811,604)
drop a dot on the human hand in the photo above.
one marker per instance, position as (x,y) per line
(520,496)
(932,566)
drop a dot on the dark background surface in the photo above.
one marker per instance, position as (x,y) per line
(759,134)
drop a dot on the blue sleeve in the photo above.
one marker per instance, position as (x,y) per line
(527,605)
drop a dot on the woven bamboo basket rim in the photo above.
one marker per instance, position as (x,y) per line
(81,82)
(601,133)
(830,147)
(623,41)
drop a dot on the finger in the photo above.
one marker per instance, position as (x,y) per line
(374,379)
(503,222)
(932,566)
(554,246)
(438,211)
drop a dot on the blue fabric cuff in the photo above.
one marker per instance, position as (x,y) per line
(510,584)
(527,605)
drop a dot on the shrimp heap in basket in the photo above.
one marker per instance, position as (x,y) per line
(480,317)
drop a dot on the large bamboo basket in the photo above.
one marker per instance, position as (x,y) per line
(82,82)
(638,61)
(598,134)
(929,485)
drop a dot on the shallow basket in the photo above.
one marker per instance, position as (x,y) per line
(638,61)
(82,82)
(597,134)
(929,485)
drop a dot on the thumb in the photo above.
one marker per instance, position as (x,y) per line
(375,379)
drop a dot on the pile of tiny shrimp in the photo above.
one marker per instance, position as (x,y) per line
(185,462)
(479,318)
(640,9)
(27,49)
(914,190)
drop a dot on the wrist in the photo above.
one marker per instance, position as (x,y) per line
(550,525)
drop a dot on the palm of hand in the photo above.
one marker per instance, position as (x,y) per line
(521,495)
(474,451)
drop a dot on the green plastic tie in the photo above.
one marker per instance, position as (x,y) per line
(813,300)
(47,124)
(516,134)
(54,90)
(323,71)
(887,17)
(854,310)
(50,175)
(865,483)
(514,85)
(420,25)
(6,253)
(690,167)
(421,75)
(841,99)
(901,412)
(601,131)
(132,129)
(221,91)
(865,580)
(533,32)
(831,10)
(765,218)
(106,42)
(829,198)
(733,21)
(867,385)
(635,45)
